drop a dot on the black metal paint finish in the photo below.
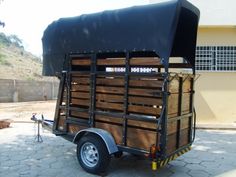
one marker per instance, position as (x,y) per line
(163,137)
(93,89)
(126,104)
(168,28)
(179,112)
(191,107)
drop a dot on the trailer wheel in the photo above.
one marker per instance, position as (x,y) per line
(92,154)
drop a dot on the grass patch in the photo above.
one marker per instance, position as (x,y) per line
(3,60)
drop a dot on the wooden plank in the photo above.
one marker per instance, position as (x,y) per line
(61,121)
(115,130)
(144,110)
(184,138)
(80,102)
(85,95)
(85,88)
(81,62)
(174,85)
(172,125)
(115,90)
(145,62)
(73,129)
(79,114)
(144,92)
(111,62)
(186,103)
(79,80)
(142,124)
(142,139)
(112,106)
(187,84)
(145,100)
(110,81)
(173,105)
(109,119)
(172,140)
(109,98)
(146,83)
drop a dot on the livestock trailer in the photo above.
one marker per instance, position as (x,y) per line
(126,82)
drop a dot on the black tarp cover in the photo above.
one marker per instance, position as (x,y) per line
(168,28)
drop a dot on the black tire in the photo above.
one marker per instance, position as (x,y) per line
(92,154)
(118,154)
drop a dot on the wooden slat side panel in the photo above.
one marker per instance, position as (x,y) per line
(142,124)
(145,62)
(173,105)
(79,114)
(81,62)
(109,119)
(172,140)
(146,83)
(172,125)
(115,130)
(80,80)
(110,81)
(184,138)
(186,103)
(111,106)
(145,92)
(83,95)
(187,84)
(73,129)
(80,102)
(174,85)
(144,110)
(145,100)
(61,122)
(85,88)
(142,139)
(114,90)
(111,62)
(111,98)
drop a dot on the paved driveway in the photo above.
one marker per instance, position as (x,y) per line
(213,154)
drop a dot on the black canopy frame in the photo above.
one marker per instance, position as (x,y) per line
(169,29)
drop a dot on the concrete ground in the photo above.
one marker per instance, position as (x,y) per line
(213,154)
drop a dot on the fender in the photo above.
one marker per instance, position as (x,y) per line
(106,137)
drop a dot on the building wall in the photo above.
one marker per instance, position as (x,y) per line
(215,97)
(18,90)
(223,35)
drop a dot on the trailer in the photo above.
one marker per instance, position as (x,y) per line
(126,82)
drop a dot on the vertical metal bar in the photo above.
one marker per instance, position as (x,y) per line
(68,92)
(179,111)
(93,89)
(59,101)
(163,131)
(191,108)
(126,104)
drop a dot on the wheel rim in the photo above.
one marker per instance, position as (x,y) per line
(89,154)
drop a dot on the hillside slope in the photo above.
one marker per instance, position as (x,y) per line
(16,63)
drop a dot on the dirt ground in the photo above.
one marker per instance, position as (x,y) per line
(22,111)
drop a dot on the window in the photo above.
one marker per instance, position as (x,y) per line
(216,58)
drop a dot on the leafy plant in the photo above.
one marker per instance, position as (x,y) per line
(3,60)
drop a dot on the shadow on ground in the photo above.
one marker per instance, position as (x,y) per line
(213,154)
